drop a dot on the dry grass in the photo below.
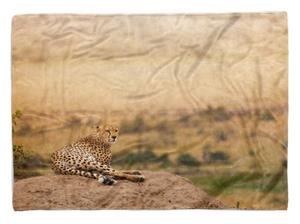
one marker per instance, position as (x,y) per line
(244,143)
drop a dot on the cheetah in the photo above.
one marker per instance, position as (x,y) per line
(91,157)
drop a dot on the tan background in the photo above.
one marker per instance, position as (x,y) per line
(66,62)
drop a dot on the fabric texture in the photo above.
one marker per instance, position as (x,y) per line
(204,97)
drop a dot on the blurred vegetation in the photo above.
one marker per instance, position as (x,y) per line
(18,155)
(73,121)
(203,146)
(15,117)
(221,135)
(265,115)
(184,118)
(164,127)
(136,125)
(226,183)
(211,155)
(217,114)
(216,157)
(24,129)
(142,158)
(186,159)
(25,161)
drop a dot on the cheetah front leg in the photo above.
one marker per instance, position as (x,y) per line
(110,172)
(92,174)
(131,177)
(132,172)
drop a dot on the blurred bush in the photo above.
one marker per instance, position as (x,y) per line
(216,114)
(18,155)
(187,160)
(221,135)
(184,119)
(143,158)
(15,116)
(264,115)
(215,157)
(164,127)
(24,129)
(26,159)
(251,152)
(136,125)
(73,121)
(164,160)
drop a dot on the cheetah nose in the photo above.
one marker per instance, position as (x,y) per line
(113,137)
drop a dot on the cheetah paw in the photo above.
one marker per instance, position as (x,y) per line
(106,180)
(139,178)
(136,172)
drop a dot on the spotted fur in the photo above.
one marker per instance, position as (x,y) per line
(91,157)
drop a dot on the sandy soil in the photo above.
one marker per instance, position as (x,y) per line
(161,190)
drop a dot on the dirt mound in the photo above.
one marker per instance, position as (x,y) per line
(161,190)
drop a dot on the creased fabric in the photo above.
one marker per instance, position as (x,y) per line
(202,96)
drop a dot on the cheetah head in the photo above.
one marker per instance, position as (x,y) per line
(108,133)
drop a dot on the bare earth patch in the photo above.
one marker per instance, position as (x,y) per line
(161,190)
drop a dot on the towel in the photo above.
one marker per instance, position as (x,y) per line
(198,105)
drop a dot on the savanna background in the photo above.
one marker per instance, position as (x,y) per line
(202,96)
